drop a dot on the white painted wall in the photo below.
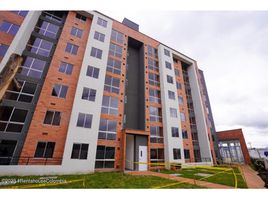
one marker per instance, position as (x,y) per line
(199,113)
(168,122)
(20,40)
(85,135)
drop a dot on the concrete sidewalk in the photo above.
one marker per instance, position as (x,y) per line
(180,179)
(251,177)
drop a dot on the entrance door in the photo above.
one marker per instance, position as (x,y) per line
(142,158)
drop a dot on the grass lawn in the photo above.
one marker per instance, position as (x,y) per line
(106,180)
(224,178)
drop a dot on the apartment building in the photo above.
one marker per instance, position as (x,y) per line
(97,94)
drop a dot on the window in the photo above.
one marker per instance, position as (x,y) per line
(153,65)
(176,154)
(166,52)
(47,29)
(178,85)
(154,79)
(157,155)
(80,18)
(102,22)
(186,153)
(3,49)
(171,95)
(7,148)
(152,52)
(89,94)
(169,79)
(155,114)
(105,157)
(168,65)
(44,150)
(33,67)
(76,32)
(40,46)
(175,132)
(93,72)
(107,129)
(184,134)
(112,84)
(79,151)
(12,119)
(154,96)
(177,72)
(109,105)
(115,50)
(21,13)
(71,48)
(52,118)
(117,36)
(182,115)
(66,68)
(99,36)
(97,53)
(173,112)
(114,66)
(24,94)
(9,28)
(84,120)
(55,16)
(156,134)
(180,99)
(59,91)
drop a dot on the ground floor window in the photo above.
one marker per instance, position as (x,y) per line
(176,154)
(44,150)
(186,153)
(7,148)
(157,157)
(105,157)
(79,151)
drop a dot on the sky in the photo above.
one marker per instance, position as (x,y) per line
(231,47)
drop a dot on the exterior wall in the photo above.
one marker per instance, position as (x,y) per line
(199,114)
(18,43)
(235,134)
(39,132)
(209,117)
(187,142)
(128,32)
(168,121)
(85,135)
(13,18)
(68,133)
(117,143)
(18,46)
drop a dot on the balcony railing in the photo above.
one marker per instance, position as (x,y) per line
(30,161)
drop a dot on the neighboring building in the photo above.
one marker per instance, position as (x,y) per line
(257,152)
(209,117)
(232,146)
(98,94)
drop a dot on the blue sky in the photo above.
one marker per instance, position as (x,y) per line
(231,47)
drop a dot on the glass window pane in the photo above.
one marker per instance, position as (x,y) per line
(75,151)
(100,152)
(48,117)
(81,118)
(40,149)
(49,150)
